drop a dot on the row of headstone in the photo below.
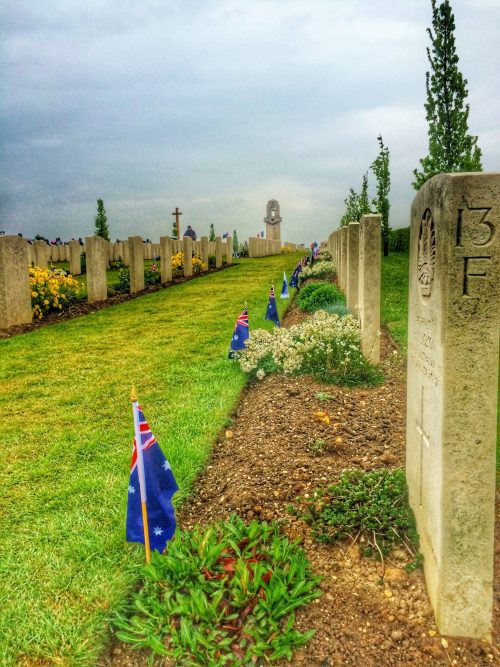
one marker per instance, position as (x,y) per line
(453,348)
(356,252)
(259,247)
(15,295)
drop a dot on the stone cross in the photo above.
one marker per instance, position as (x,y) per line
(177,213)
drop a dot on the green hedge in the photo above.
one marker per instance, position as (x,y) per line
(399,240)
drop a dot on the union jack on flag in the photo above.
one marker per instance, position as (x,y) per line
(159,487)
(272,311)
(241,333)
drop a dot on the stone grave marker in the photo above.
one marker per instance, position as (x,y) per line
(452,393)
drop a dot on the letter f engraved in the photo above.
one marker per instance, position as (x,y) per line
(468,274)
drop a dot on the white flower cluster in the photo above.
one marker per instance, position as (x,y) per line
(321,269)
(324,339)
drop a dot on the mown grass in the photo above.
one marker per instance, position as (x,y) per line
(66,438)
(394,311)
(394,296)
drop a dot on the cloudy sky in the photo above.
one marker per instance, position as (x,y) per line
(217,106)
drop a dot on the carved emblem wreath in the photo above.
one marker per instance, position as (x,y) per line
(426,253)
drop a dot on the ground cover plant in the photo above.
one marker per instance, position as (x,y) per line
(324,346)
(370,506)
(222,595)
(64,393)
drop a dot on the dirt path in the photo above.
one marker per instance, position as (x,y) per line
(275,450)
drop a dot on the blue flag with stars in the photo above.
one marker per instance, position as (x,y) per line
(284,287)
(241,333)
(160,486)
(272,311)
(294,280)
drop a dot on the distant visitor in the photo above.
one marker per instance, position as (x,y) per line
(190,232)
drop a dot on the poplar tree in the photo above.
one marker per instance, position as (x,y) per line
(380,168)
(236,245)
(101,221)
(451,148)
(356,204)
(211,234)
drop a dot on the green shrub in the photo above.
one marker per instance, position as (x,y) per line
(222,595)
(339,309)
(152,275)
(318,295)
(373,505)
(123,284)
(399,240)
(243,251)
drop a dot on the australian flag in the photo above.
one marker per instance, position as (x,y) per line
(284,287)
(160,486)
(294,280)
(241,333)
(272,311)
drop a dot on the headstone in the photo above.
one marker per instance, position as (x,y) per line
(352,265)
(41,250)
(204,250)
(15,292)
(273,220)
(75,265)
(343,258)
(452,393)
(218,251)
(31,254)
(166,259)
(229,250)
(136,265)
(369,285)
(188,255)
(97,263)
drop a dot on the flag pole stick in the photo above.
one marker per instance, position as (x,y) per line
(140,469)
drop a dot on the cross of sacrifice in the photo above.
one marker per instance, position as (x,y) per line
(177,213)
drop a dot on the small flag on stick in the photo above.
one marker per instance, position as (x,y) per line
(150,513)
(284,287)
(241,333)
(294,280)
(272,311)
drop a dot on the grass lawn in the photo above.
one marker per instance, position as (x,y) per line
(394,311)
(66,438)
(394,296)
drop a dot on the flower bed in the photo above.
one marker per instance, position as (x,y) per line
(325,346)
(52,290)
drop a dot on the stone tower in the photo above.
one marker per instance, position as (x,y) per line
(273,221)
